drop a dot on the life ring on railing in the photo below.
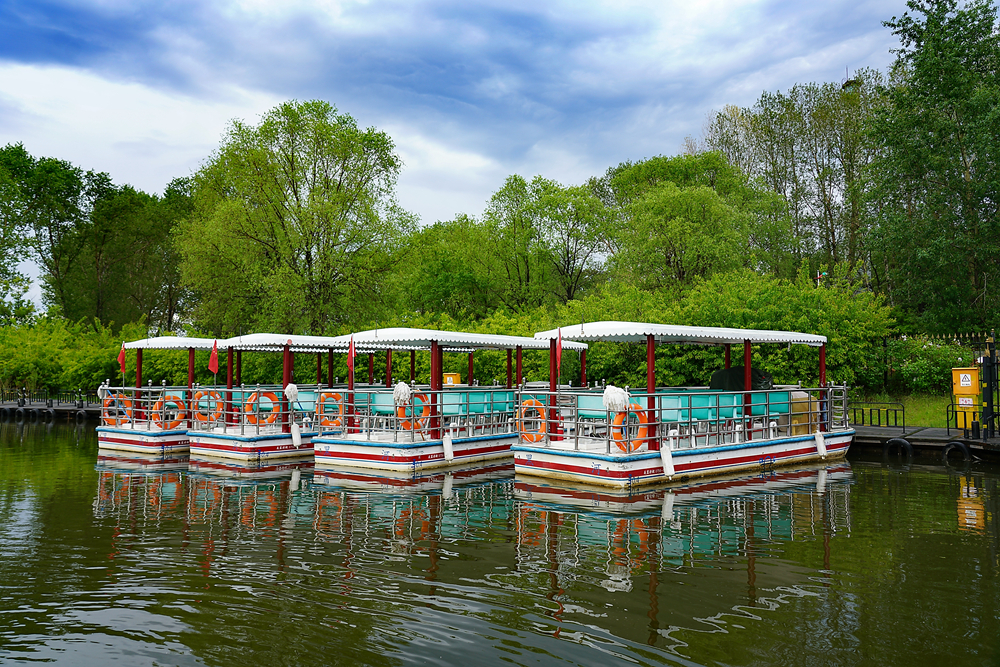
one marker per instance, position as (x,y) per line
(159,417)
(421,421)
(248,407)
(211,396)
(527,434)
(121,403)
(321,415)
(619,429)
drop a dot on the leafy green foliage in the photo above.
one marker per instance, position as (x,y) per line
(295,225)
(923,366)
(938,172)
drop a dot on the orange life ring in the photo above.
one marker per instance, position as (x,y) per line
(158,415)
(527,434)
(121,403)
(211,396)
(321,415)
(619,427)
(421,422)
(248,407)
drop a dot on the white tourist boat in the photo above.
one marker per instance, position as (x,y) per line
(620,438)
(150,420)
(408,427)
(226,420)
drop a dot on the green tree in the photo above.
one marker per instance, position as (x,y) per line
(295,223)
(14,308)
(573,223)
(939,170)
(516,259)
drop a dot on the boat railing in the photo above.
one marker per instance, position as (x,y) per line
(372,413)
(367,411)
(676,417)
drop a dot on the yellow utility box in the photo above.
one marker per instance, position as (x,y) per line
(966,393)
(451,379)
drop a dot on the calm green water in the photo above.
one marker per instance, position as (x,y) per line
(858,564)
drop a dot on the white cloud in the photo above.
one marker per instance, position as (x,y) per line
(140,135)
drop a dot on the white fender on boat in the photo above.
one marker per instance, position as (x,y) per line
(821,481)
(820,444)
(449,450)
(668,460)
(446,488)
(667,512)
(615,399)
(296,435)
(401,394)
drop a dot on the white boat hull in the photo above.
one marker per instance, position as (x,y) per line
(337,451)
(641,468)
(247,447)
(156,442)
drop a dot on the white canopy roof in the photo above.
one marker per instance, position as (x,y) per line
(636,332)
(170,343)
(269,342)
(407,338)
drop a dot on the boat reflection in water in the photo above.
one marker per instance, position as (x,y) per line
(253,470)
(442,481)
(653,540)
(109,460)
(594,566)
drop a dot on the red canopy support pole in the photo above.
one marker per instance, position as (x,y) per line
(654,442)
(413,365)
(138,384)
(230,418)
(239,367)
(583,368)
(190,393)
(519,374)
(371,367)
(822,383)
(728,364)
(319,368)
(552,423)
(472,369)
(508,368)
(388,368)
(350,394)
(286,378)
(329,367)
(435,387)
(747,382)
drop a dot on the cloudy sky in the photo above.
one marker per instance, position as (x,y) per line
(470,92)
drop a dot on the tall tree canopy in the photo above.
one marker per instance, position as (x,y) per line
(295,223)
(939,172)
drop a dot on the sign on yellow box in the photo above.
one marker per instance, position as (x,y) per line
(965,381)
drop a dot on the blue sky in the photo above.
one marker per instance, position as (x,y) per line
(470,92)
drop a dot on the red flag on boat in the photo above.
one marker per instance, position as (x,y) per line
(121,358)
(213,359)
(350,356)
(559,352)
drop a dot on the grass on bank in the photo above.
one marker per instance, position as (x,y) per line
(921,410)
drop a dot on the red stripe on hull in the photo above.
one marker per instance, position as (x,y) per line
(341,457)
(531,466)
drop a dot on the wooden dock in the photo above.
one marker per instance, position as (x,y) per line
(35,411)
(924,442)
